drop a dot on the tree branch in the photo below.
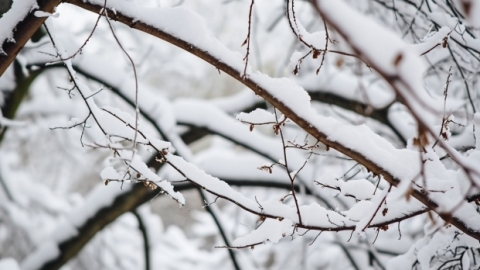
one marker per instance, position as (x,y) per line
(23,31)
(146,244)
(263,90)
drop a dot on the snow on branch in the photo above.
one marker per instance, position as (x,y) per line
(401,68)
(271,230)
(256,117)
(315,216)
(19,23)
(196,113)
(185,29)
(360,189)
(10,20)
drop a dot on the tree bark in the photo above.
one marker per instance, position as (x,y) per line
(23,31)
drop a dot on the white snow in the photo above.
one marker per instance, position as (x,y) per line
(271,230)
(9,264)
(258,116)
(48,251)
(383,49)
(18,11)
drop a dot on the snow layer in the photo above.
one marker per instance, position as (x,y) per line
(9,20)
(258,116)
(271,230)
(390,54)
(9,264)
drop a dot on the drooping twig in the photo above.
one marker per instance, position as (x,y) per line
(137,113)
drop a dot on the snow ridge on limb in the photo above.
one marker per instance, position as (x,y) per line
(271,230)
(357,142)
(18,25)
(9,20)
(257,117)
(315,216)
(402,69)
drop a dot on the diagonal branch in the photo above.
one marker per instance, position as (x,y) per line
(23,30)
(268,89)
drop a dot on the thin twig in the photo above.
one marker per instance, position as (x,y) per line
(247,40)
(135,76)
(292,179)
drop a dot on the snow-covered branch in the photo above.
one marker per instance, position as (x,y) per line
(357,142)
(18,26)
(362,140)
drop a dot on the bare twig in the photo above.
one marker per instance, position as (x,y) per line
(135,76)
(292,179)
(247,40)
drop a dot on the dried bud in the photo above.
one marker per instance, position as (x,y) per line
(408,194)
(445,42)
(267,168)
(398,59)
(245,42)
(339,62)
(295,71)
(276,128)
(466,6)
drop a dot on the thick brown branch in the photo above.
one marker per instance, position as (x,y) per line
(23,32)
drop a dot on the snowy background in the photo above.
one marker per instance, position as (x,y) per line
(394,95)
